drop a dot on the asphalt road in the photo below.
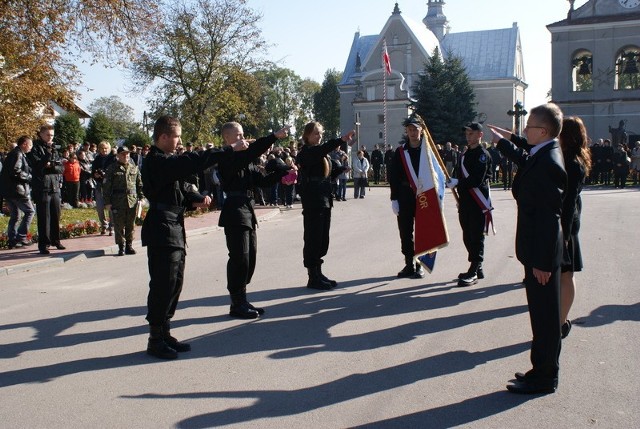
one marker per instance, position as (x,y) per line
(377,352)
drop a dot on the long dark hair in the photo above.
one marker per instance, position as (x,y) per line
(573,141)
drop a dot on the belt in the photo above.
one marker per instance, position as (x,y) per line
(167,207)
(246,194)
(124,191)
(317,179)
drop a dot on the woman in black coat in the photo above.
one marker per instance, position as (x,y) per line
(577,161)
(314,185)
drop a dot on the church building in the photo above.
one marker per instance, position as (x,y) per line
(595,66)
(368,93)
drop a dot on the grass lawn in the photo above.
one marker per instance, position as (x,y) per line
(69,216)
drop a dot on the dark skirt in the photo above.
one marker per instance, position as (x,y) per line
(572,258)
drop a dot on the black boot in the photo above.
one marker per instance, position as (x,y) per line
(409,269)
(120,249)
(240,308)
(325,278)
(315,281)
(171,341)
(157,346)
(129,250)
(470,277)
(258,309)
(475,267)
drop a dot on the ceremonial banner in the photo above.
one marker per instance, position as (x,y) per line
(429,184)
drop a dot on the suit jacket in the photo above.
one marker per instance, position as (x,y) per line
(539,194)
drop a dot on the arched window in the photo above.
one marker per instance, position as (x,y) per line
(582,71)
(627,72)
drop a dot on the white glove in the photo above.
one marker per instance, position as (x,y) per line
(452,183)
(395,207)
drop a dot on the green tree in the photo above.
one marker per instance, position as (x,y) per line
(119,114)
(326,103)
(41,41)
(100,129)
(445,97)
(68,129)
(138,138)
(281,96)
(197,61)
(308,89)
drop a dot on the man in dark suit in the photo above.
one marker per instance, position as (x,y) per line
(538,189)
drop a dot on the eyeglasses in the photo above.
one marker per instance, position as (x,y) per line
(534,126)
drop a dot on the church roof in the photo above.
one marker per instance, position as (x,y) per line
(486,54)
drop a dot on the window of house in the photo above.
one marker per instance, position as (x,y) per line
(582,71)
(391,92)
(627,68)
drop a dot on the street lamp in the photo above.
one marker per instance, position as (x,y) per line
(357,124)
(517,113)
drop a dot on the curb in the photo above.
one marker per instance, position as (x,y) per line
(105,251)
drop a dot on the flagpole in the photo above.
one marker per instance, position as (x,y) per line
(384,91)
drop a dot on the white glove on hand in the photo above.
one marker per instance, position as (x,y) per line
(452,183)
(395,207)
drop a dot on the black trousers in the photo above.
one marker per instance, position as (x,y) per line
(376,174)
(472,221)
(242,243)
(317,223)
(48,214)
(544,312)
(166,272)
(406,220)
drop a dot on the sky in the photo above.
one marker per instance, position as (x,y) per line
(310,37)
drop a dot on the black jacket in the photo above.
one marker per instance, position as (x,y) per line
(163,177)
(314,175)
(46,166)
(15,176)
(239,176)
(477,162)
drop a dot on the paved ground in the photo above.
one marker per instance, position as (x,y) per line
(375,352)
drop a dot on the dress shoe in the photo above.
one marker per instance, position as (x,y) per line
(531,386)
(103,230)
(14,245)
(128,250)
(44,251)
(59,246)
(419,272)
(243,311)
(158,347)
(24,243)
(120,250)
(407,271)
(566,328)
(318,284)
(258,309)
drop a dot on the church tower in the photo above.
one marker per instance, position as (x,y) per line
(435,19)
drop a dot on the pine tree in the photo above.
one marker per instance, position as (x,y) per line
(68,130)
(326,104)
(445,98)
(99,129)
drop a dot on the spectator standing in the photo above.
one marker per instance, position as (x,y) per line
(86,181)
(122,189)
(289,182)
(98,169)
(46,165)
(15,179)
(377,159)
(360,168)
(71,175)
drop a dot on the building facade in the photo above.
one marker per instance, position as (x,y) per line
(492,58)
(595,66)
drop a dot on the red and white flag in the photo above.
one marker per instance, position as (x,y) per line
(385,58)
(429,185)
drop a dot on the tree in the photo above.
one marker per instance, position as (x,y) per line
(68,129)
(119,114)
(100,129)
(308,89)
(138,138)
(326,103)
(195,59)
(37,42)
(445,98)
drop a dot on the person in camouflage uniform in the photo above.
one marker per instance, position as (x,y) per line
(122,189)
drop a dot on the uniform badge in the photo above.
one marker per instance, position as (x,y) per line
(483,158)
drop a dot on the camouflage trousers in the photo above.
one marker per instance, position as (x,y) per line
(123,221)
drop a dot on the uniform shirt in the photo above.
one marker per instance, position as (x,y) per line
(477,162)
(122,185)
(314,179)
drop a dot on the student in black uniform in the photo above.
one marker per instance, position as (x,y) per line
(473,173)
(403,197)
(314,185)
(163,233)
(239,176)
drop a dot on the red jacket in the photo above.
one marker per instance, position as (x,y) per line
(71,171)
